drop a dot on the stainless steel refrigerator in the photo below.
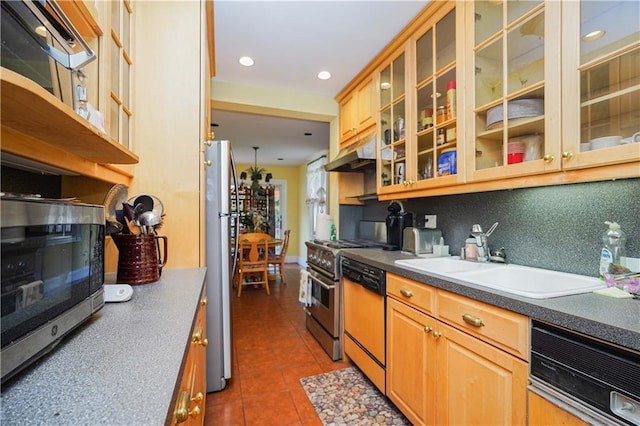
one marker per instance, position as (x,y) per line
(221,222)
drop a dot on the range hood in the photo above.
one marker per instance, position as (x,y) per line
(358,157)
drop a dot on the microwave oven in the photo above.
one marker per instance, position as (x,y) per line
(40,43)
(52,266)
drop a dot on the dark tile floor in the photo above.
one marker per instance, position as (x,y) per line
(272,351)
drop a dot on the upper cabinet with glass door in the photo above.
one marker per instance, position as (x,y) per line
(601,92)
(434,128)
(120,66)
(392,160)
(515,95)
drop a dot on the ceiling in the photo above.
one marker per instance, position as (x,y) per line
(291,42)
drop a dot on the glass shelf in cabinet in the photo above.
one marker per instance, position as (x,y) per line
(518,126)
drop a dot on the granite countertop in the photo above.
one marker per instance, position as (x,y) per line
(613,320)
(120,367)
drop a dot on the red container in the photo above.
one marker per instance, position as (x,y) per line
(514,158)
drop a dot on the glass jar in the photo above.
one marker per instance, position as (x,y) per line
(441,114)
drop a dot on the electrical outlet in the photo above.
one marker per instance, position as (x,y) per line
(430,221)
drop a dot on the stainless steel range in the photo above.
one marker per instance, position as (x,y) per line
(323,316)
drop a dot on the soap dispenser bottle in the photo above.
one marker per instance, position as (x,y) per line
(613,242)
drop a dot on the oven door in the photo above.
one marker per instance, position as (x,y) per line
(323,302)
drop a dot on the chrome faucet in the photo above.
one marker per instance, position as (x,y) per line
(481,241)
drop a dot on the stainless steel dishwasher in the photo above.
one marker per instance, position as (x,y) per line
(596,381)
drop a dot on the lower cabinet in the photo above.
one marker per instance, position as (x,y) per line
(543,412)
(438,374)
(411,362)
(191,393)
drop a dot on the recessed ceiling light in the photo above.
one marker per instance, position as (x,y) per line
(324,75)
(308,134)
(246,61)
(385,85)
(593,35)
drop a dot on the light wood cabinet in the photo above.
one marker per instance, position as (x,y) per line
(601,83)
(411,362)
(478,383)
(61,141)
(543,413)
(504,329)
(531,95)
(420,110)
(357,112)
(191,392)
(441,372)
(513,77)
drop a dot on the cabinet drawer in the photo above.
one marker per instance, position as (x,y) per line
(421,296)
(497,326)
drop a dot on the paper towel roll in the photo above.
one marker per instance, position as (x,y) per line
(323,226)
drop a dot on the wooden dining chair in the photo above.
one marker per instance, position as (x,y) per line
(277,260)
(253,264)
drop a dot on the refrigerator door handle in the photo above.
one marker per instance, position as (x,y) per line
(235,215)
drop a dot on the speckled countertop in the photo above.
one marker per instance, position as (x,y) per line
(119,368)
(606,318)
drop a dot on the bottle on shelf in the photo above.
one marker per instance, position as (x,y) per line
(451,99)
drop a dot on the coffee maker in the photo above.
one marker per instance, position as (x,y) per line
(396,221)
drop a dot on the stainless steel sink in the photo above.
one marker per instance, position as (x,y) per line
(521,280)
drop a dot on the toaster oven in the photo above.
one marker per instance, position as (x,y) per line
(40,43)
(52,268)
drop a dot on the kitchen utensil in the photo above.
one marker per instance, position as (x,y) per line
(148,200)
(149,218)
(113,226)
(113,200)
(133,227)
(128,210)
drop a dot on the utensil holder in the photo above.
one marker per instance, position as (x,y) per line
(138,258)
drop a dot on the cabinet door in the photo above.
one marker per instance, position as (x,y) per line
(478,383)
(392,158)
(411,362)
(347,119)
(434,117)
(543,412)
(191,394)
(514,97)
(366,110)
(601,83)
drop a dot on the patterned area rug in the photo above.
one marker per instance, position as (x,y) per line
(347,397)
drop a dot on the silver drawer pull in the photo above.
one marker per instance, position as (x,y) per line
(472,320)
(406,293)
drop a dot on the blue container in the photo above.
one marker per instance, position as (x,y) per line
(447,163)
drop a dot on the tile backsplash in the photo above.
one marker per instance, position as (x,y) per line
(552,227)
